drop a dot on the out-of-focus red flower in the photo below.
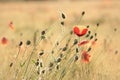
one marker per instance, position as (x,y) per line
(83,42)
(85,57)
(11,25)
(78,32)
(93,42)
(4,41)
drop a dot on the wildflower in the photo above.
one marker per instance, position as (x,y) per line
(11,25)
(4,40)
(83,43)
(77,31)
(85,57)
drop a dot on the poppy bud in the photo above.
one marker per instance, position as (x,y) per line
(77,50)
(89,49)
(43,33)
(11,64)
(20,44)
(64,49)
(28,42)
(75,41)
(91,37)
(51,64)
(83,13)
(76,58)
(62,23)
(63,16)
(58,60)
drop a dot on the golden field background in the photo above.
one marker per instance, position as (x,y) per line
(30,16)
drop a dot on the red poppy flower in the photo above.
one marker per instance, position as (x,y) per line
(11,25)
(85,57)
(78,33)
(83,43)
(4,41)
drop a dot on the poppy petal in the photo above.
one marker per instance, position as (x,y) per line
(85,57)
(11,25)
(76,30)
(83,43)
(4,41)
(84,31)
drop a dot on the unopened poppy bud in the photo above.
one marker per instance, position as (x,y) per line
(37,63)
(51,64)
(20,44)
(83,13)
(91,37)
(76,58)
(62,23)
(58,60)
(41,53)
(64,49)
(75,41)
(28,42)
(77,50)
(63,16)
(89,49)
(11,64)
(98,24)
(88,26)
(43,33)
